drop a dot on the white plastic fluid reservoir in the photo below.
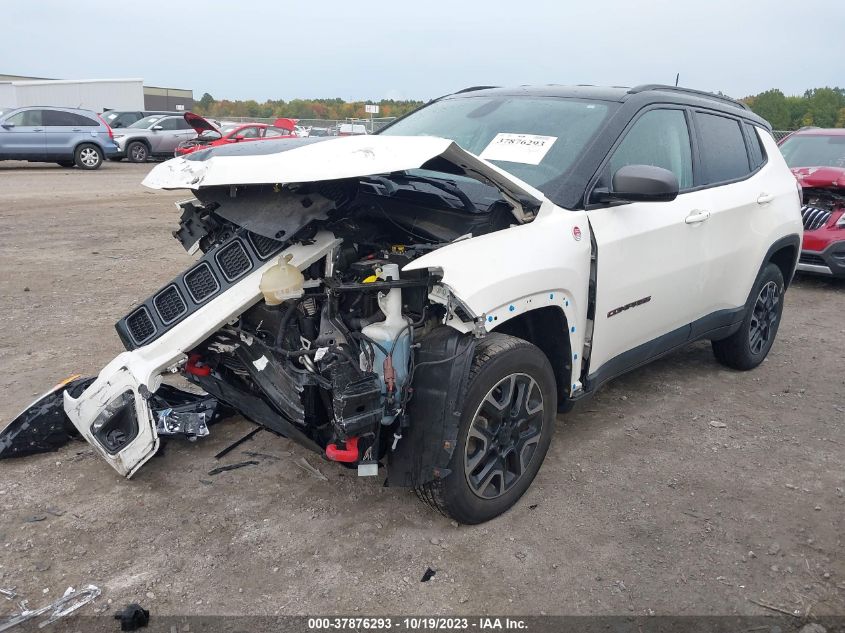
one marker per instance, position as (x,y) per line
(394,336)
(282,281)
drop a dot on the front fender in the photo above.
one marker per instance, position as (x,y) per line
(501,275)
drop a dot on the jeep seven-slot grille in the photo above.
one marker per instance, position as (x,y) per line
(140,325)
(264,246)
(201,282)
(218,270)
(169,304)
(814,218)
(233,260)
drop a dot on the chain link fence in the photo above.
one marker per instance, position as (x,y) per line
(779,134)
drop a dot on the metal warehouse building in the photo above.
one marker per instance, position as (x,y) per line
(93,94)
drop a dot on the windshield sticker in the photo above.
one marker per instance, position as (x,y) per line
(518,148)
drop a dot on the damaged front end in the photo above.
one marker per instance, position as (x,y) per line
(301,311)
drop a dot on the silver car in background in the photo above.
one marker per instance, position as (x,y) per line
(157,136)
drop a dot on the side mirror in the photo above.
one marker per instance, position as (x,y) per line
(640,183)
(239,137)
(156,128)
(8,125)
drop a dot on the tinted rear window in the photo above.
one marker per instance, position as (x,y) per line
(59,118)
(722,147)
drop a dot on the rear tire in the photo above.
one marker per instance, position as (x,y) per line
(88,156)
(749,346)
(506,427)
(137,152)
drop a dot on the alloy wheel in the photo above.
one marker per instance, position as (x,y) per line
(139,153)
(764,317)
(503,435)
(89,157)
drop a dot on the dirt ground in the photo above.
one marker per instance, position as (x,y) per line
(642,506)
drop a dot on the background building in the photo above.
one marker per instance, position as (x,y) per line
(93,94)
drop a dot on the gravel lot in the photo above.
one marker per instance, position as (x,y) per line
(642,506)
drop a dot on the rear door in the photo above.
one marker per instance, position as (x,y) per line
(65,130)
(174,130)
(650,255)
(734,171)
(22,135)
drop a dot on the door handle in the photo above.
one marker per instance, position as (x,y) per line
(697,216)
(38,129)
(77,129)
(765,198)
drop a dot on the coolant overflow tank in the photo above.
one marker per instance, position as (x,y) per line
(282,281)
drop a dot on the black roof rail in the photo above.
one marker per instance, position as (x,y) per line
(474,88)
(691,91)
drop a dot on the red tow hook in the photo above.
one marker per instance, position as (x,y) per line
(193,366)
(348,455)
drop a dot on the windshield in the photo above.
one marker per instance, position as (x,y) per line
(535,138)
(814,151)
(147,121)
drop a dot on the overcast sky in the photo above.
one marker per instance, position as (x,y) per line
(424,48)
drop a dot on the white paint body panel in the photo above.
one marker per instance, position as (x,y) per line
(144,366)
(507,273)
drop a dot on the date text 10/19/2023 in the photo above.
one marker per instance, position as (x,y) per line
(417,624)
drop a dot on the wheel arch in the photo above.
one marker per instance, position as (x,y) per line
(548,329)
(784,254)
(138,139)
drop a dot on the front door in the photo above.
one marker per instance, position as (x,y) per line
(651,268)
(22,135)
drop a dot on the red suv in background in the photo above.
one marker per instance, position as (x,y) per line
(817,158)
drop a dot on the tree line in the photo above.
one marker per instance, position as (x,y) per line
(300,108)
(822,107)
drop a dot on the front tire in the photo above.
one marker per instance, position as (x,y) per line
(137,152)
(506,427)
(88,156)
(749,346)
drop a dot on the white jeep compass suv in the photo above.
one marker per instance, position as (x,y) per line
(427,299)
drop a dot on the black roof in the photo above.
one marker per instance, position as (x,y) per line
(642,95)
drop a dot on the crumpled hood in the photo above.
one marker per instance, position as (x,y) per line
(820,177)
(310,159)
(199,124)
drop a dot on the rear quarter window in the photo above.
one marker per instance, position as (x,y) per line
(756,152)
(722,148)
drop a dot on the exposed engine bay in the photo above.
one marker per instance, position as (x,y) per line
(298,316)
(331,348)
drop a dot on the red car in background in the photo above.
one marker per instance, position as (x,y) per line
(817,158)
(281,128)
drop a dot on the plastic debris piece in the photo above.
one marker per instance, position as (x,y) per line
(237,443)
(9,593)
(132,617)
(67,604)
(428,575)
(304,465)
(223,469)
(189,423)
